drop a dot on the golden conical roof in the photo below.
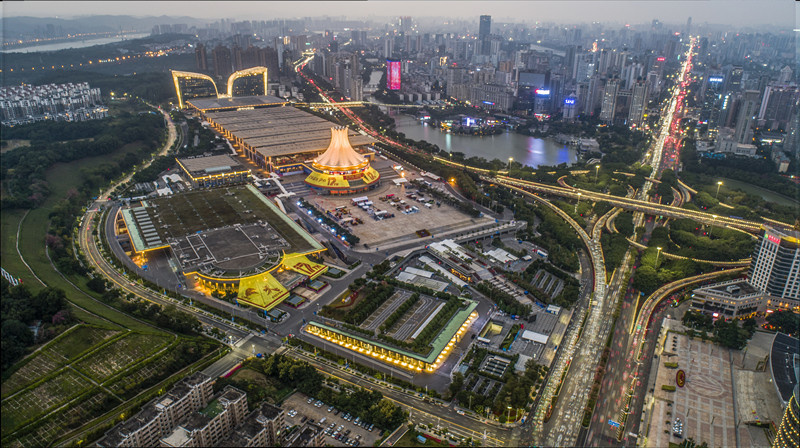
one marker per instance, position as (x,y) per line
(340,155)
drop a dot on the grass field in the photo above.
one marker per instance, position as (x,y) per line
(120,354)
(55,354)
(32,403)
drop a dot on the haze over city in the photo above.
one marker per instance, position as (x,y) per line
(409,224)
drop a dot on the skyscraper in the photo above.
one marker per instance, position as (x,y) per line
(483,34)
(609,100)
(775,268)
(787,435)
(638,103)
(747,113)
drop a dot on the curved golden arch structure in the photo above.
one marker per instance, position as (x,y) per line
(246,72)
(179,74)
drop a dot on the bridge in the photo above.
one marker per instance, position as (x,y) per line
(341,104)
(634,204)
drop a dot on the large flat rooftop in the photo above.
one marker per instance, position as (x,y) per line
(280,131)
(202,166)
(206,104)
(210,224)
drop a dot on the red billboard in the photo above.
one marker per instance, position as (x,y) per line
(393,74)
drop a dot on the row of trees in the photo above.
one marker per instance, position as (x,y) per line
(370,405)
(371,297)
(399,312)
(727,333)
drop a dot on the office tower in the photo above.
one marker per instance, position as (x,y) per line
(223,66)
(609,103)
(638,103)
(568,109)
(238,56)
(788,435)
(483,34)
(775,268)
(688,25)
(570,60)
(200,57)
(605,60)
(747,114)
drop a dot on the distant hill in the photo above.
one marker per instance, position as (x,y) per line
(15,28)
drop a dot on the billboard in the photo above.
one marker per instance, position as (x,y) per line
(715,78)
(393,74)
(569,101)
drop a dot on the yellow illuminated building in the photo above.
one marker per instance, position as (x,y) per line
(340,169)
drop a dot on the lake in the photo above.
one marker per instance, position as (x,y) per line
(526,150)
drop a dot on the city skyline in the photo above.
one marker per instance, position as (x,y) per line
(777,13)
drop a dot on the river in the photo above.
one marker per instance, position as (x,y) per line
(77,43)
(526,150)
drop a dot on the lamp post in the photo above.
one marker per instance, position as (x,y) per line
(657,254)
(711,230)
(596,172)
(510,159)
(508,417)
(719,184)
(576,204)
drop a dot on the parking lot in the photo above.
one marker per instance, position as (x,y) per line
(402,226)
(351,434)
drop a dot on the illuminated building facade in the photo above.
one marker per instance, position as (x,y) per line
(788,435)
(213,171)
(251,81)
(340,169)
(441,348)
(393,68)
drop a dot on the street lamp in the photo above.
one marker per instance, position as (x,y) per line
(576,204)
(596,172)
(657,254)
(510,159)
(719,184)
(509,414)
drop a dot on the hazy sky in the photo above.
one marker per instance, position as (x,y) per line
(777,13)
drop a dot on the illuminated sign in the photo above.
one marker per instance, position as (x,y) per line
(774,239)
(489,103)
(543,92)
(661,59)
(569,101)
(715,79)
(393,74)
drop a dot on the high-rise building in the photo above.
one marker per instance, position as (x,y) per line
(393,74)
(200,57)
(747,114)
(388,46)
(223,64)
(775,268)
(484,31)
(785,76)
(638,103)
(609,103)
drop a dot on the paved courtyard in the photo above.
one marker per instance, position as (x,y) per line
(705,404)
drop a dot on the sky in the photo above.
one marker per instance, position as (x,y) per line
(773,13)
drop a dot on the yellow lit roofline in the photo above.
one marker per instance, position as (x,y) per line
(179,74)
(234,279)
(246,72)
